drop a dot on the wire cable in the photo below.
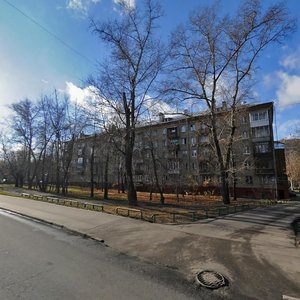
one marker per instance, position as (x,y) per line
(48,31)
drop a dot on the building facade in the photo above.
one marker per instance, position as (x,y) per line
(177,154)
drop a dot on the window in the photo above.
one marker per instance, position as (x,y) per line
(80,160)
(165,143)
(183,141)
(244,120)
(249,179)
(173,165)
(183,128)
(165,131)
(247,165)
(204,139)
(261,131)
(79,152)
(174,142)
(203,166)
(262,148)
(138,178)
(194,153)
(264,164)
(193,141)
(194,166)
(245,134)
(206,153)
(259,115)
(184,153)
(192,127)
(266,179)
(247,150)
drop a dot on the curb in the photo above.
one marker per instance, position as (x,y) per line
(69,230)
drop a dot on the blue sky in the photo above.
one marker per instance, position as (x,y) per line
(34,62)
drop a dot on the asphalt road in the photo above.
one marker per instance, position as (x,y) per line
(41,262)
(254,249)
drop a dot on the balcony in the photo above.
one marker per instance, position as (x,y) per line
(262,149)
(138,172)
(173,147)
(203,158)
(258,139)
(204,131)
(175,171)
(172,133)
(265,171)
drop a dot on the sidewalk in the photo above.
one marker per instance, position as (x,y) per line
(254,249)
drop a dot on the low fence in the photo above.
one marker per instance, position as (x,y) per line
(158,217)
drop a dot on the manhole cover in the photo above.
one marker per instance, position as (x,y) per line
(211,279)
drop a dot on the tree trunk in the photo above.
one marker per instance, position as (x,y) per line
(92,171)
(131,192)
(122,182)
(234,188)
(29,181)
(162,198)
(105,196)
(225,187)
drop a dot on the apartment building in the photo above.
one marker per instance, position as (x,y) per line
(177,153)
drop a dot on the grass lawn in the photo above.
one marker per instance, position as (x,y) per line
(181,209)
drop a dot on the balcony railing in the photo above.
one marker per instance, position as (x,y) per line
(172,135)
(173,171)
(266,171)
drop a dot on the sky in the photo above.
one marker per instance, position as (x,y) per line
(47,45)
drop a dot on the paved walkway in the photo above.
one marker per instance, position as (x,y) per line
(254,249)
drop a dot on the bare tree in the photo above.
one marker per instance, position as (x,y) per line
(24,125)
(292,156)
(214,59)
(13,160)
(44,135)
(68,121)
(126,79)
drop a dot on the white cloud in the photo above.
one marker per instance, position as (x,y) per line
(289,91)
(89,99)
(81,6)
(129,3)
(154,107)
(77,94)
(292,61)
(288,128)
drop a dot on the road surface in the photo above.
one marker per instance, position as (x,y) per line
(253,249)
(41,262)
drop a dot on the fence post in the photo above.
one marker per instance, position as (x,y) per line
(154,218)
(194,216)
(173,217)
